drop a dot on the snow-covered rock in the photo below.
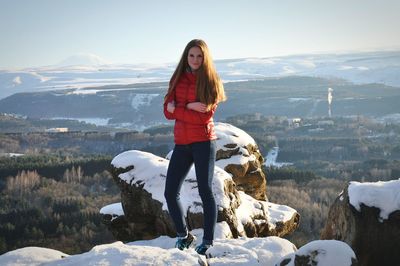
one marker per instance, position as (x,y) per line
(238,154)
(141,178)
(383,195)
(366,216)
(31,256)
(159,251)
(322,253)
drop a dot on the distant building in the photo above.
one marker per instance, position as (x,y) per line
(294,122)
(57,129)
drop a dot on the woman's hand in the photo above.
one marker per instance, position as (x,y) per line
(197,106)
(171,107)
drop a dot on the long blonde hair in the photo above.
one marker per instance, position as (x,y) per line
(209,87)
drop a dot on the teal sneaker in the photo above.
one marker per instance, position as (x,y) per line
(202,248)
(184,242)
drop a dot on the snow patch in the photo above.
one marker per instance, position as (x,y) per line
(142,99)
(251,208)
(382,195)
(293,100)
(17,81)
(31,256)
(228,134)
(114,210)
(325,253)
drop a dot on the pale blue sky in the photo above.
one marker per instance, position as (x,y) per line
(45,32)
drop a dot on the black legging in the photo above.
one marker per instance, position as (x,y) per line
(202,154)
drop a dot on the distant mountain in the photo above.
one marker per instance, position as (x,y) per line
(139,106)
(83,60)
(87,70)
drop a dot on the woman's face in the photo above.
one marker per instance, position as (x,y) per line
(195,58)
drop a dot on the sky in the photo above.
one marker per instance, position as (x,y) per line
(45,32)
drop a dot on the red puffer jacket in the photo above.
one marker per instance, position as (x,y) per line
(190,126)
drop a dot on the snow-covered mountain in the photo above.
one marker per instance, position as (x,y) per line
(84,60)
(85,70)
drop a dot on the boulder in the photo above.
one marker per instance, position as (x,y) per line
(321,253)
(238,154)
(367,217)
(141,178)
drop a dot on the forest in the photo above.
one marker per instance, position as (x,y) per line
(52,185)
(61,214)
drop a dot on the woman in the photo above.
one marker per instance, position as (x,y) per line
(193,94)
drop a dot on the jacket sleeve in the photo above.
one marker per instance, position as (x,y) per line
(168,115)
(193,117)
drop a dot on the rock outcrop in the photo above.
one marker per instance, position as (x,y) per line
(238,154)
(141,178)
(321,253)
(367,217)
